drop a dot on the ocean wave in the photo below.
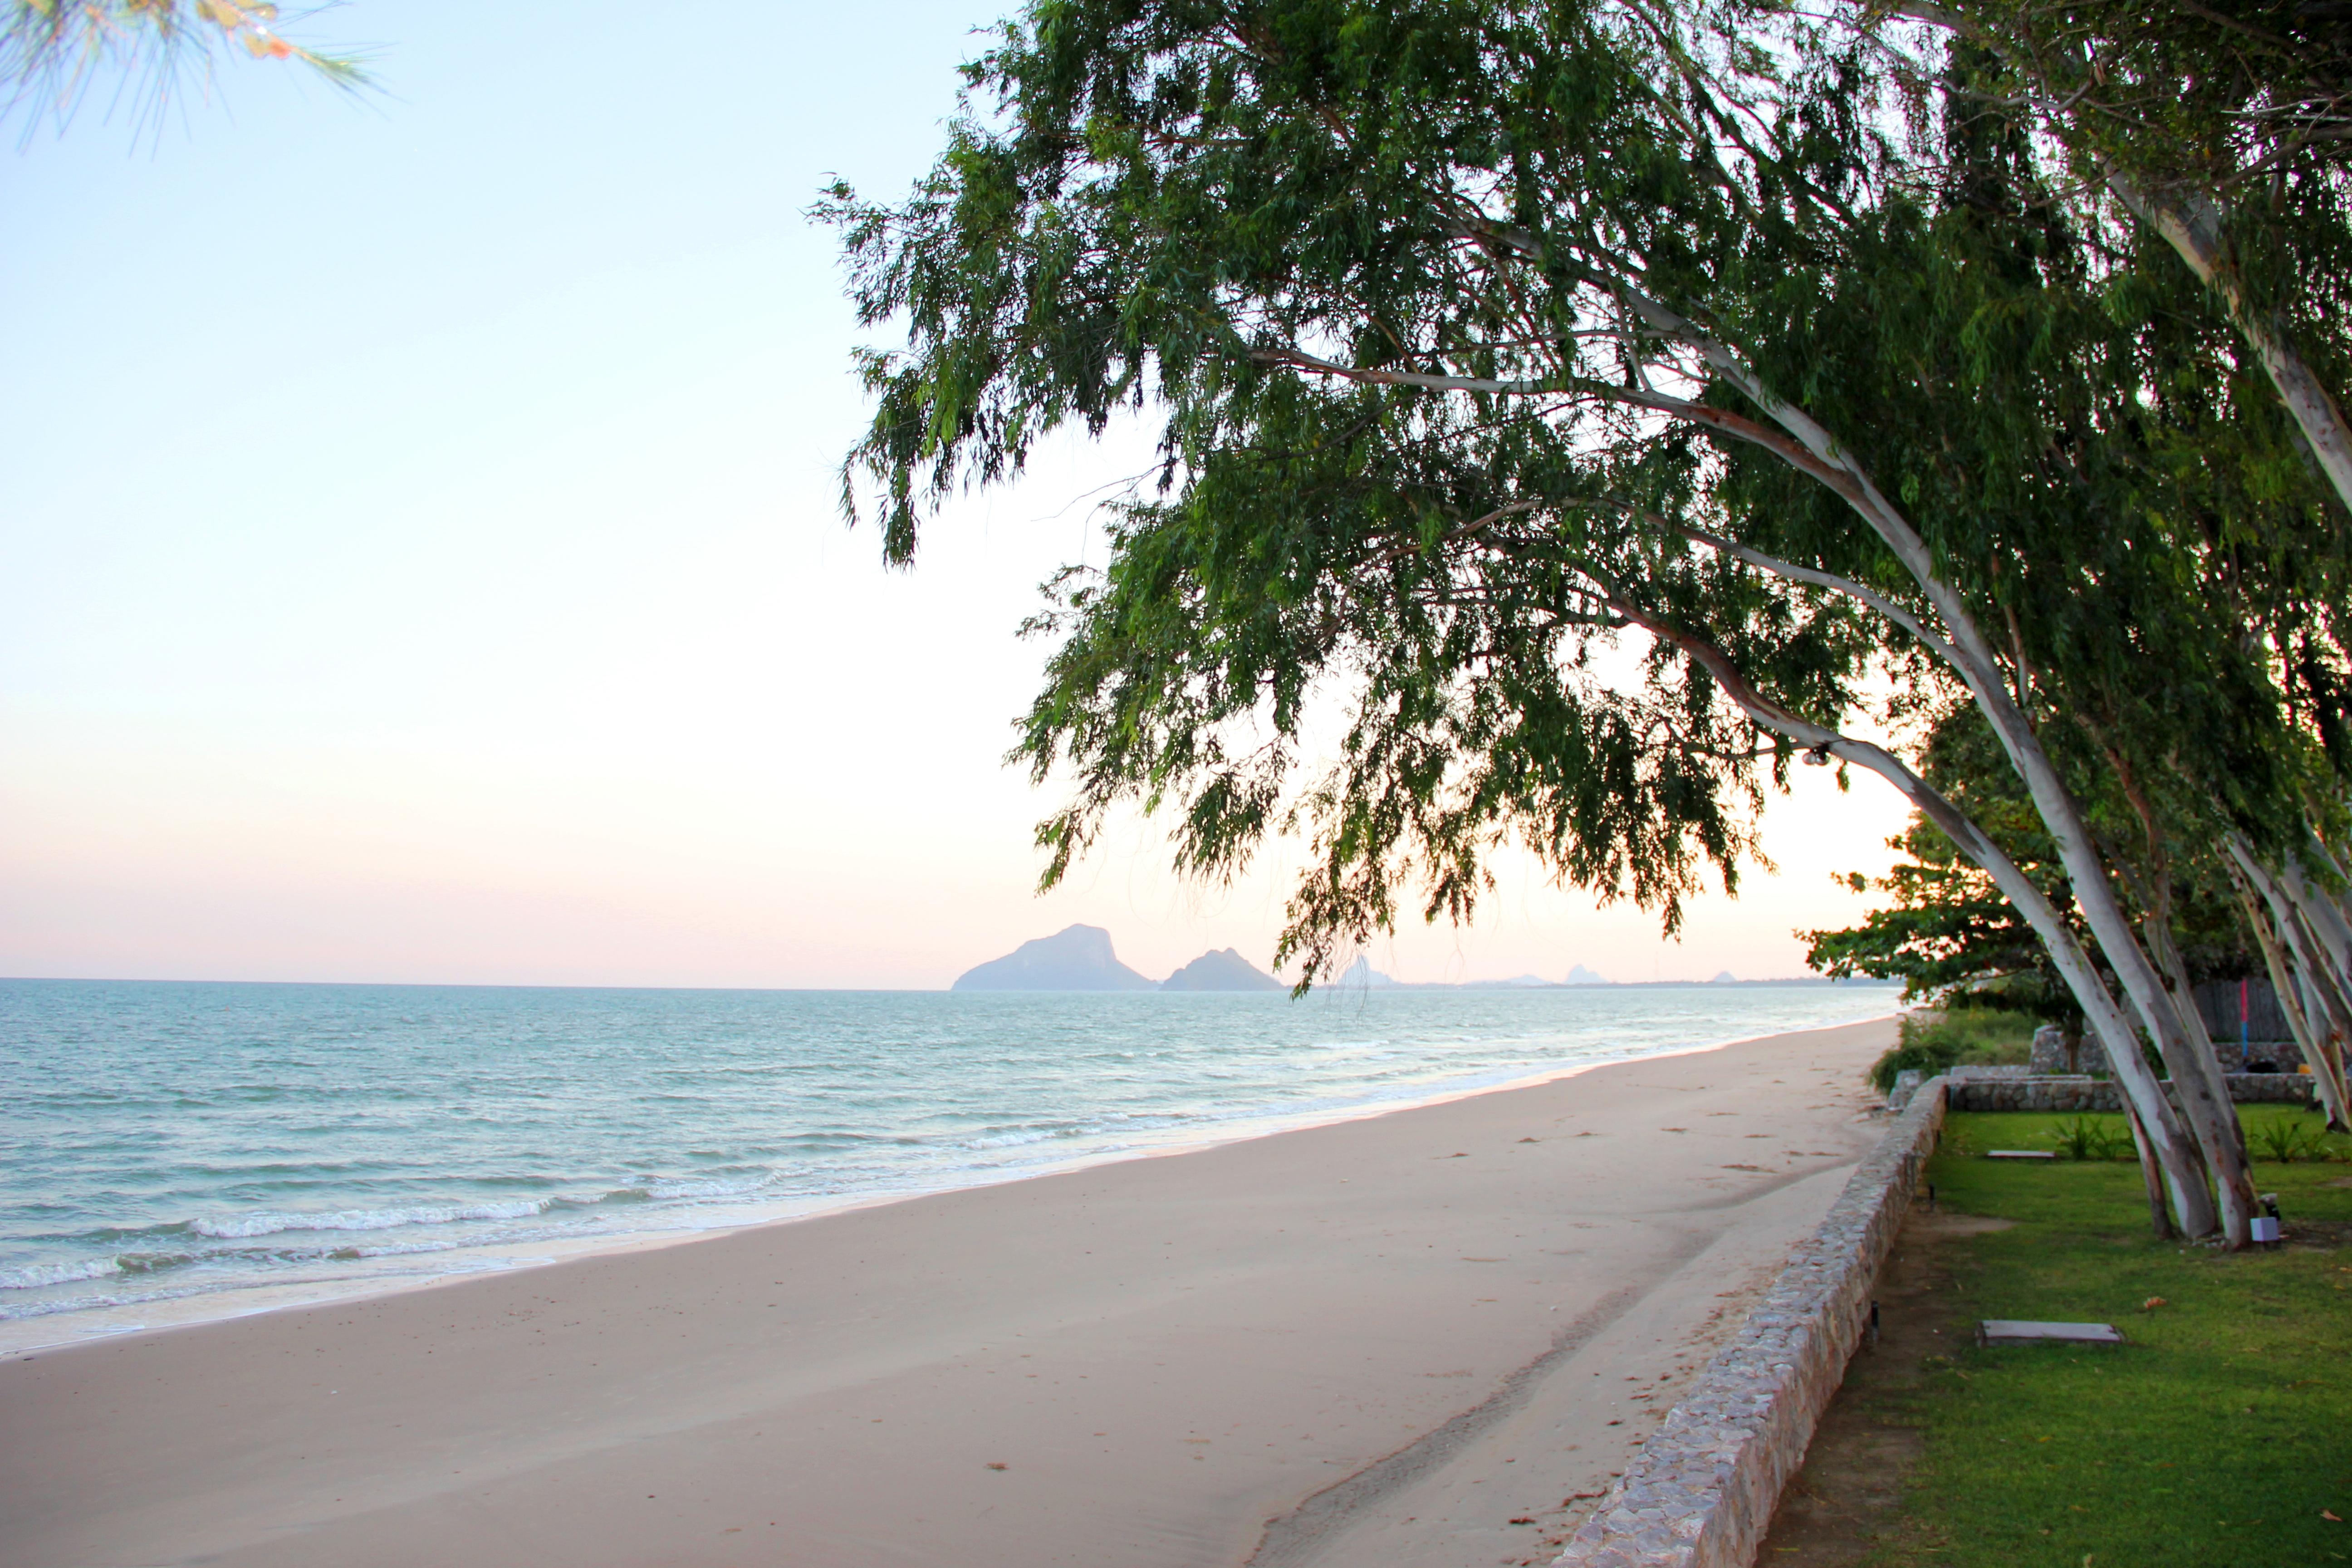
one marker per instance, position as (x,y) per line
(151,1262)
(1017,1138)
(243,1227)
(660,1191)
(618,1114)
(17,1312)
(295,1278)
(35,1275)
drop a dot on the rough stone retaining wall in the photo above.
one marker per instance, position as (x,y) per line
(2068,1095)
(1701,1493)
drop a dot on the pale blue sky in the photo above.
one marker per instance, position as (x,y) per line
(419,562)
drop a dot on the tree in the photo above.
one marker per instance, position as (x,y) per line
(1953,939)
(2227,132)
(1468,327)
(1947,933)
(54,52)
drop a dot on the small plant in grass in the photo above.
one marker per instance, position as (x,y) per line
(2282,1142)
(2094,1138)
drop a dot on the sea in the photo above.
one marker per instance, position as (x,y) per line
(171,1152)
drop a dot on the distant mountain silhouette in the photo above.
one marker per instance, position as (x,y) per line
(1580,975)
(1226,970)
(1078,958)
(1725,978)
(1361,973)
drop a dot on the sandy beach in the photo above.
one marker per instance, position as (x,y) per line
(1423,1338)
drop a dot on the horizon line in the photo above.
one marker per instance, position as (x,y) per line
(916,990)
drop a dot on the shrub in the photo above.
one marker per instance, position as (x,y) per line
(1972,1036)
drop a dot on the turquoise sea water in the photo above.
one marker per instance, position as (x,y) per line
(172,1145)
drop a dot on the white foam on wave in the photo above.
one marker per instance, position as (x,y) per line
(686,1187)
(244,1227)
(41,1274)
(1022,1138)
(874,1146)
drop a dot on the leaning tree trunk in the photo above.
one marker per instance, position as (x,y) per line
(2157,929)
(2151,1177)
(2294,1000)
(2329,1014)
(2320,1018)
(2175,1150)
(1808,446)
(2157,1126)
(2196,1075)
(2319,920)
(2322,994)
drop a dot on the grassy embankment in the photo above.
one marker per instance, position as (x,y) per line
(2219,1436)
(1972,1036)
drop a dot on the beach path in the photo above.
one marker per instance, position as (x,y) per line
(1383,1339)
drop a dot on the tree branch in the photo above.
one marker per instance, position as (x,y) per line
(1830,580)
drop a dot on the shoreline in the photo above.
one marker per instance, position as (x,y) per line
(1394,1336)
(465,1262)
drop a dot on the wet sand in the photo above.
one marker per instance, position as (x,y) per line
(1388,1339)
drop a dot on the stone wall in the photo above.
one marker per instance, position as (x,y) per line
(2056,1052)
(2271,1088)
(2054,1055)
(2069,1095)
(1701,1493)
(2280,1056)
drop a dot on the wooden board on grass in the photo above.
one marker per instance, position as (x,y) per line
(2023,1331)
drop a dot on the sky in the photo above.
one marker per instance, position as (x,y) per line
(420,558)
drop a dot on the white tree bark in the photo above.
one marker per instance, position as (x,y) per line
(2196,1074)
(1809,448)
(2317,1005)
(2191,225)
(2175,1151)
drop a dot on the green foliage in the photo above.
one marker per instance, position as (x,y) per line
(53,52)
(2245,110)
(1948,934)
(1970,1037)
(2285,1140)
(1180,210)
(2094,1138)
(2088,420)
(1472,334)
(2213,1436)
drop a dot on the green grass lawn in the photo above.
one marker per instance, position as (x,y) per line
(2219,1437)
